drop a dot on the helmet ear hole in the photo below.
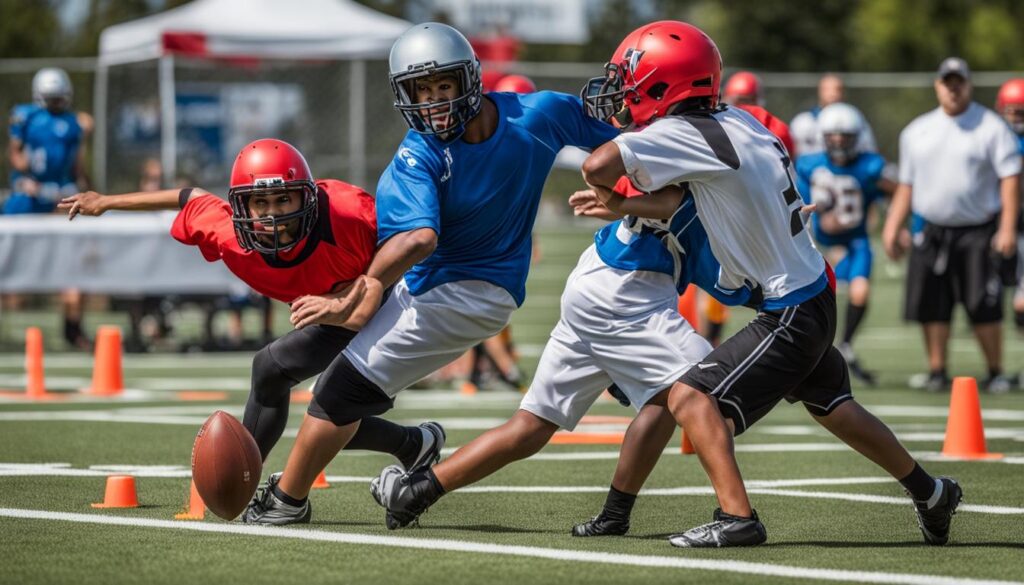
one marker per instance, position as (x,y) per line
(706,82)
(657,91)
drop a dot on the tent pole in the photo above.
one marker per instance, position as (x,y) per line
(357,123)
(99,140)
(168,123)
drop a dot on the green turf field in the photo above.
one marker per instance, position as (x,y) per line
(831,515)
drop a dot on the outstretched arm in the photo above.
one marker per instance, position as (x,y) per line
(93,203)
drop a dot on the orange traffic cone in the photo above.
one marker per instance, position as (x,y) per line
(686,447)
(196,509)
(106,371)
(468,389)
(688,306)
(35,386)
(321,481)
(965,433)
(120,493)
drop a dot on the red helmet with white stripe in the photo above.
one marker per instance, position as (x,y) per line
(271,167)
(657,66)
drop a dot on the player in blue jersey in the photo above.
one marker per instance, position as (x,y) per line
(844,182)
(47,163)
(455,209)
(45,146)
(619,325)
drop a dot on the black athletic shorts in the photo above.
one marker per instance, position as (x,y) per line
(950,265)
(780,354)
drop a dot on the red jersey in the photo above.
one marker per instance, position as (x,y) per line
(337,250)
(773,124)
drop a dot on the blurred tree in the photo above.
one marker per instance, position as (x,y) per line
(28,28)
(104,13)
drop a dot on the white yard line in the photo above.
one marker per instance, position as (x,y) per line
(766,487)
(456,546)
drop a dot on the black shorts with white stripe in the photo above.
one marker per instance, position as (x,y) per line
(780,354)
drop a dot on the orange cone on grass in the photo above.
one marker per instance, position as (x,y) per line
(688,306)
(107,379)
(196,509)
(686,447)
(321,481)
(120,493)
(35,386)
(468,389)
(965,432)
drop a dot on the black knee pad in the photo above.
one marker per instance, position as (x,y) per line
(270,385)
(343,395)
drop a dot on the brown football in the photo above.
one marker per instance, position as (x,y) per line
(226,465)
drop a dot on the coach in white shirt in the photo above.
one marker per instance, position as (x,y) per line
(960,171)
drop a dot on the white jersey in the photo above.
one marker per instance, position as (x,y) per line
(955,164)
(742,182)
(807,138)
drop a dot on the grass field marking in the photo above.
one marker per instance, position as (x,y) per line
(880,500)
(447,545)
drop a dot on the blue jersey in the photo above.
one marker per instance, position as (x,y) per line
(843,194)
(482,199)
(678,247)
(51,142)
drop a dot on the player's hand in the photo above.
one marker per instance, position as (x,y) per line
(1005,242)
(27,186)
(88,203)
(586,204)
(893,244)
(806,211)
(327,309)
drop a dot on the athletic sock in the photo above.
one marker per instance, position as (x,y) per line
(279,494)
(715,333)
(618,505)
(920,485)
(854,315)
(383,436)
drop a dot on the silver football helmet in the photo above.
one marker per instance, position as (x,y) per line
(427,50)
(51,88)
(840,125)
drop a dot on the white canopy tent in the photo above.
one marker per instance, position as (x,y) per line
(226,29)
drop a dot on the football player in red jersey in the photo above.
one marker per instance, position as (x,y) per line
(299,241)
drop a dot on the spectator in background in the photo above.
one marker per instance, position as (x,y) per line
(47,159)
(1010,105)
(805,125)
(960,171)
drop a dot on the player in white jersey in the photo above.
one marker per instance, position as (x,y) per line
(663,83)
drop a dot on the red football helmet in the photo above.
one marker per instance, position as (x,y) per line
(1010,104)
(270,167)
(743,88)
(515,84)
(657,66)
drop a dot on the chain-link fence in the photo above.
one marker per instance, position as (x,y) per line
(219,106)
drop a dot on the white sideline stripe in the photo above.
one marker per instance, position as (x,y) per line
(607,558)
(881,500)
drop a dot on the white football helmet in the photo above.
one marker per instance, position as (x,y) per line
(840,126)
(51,88)
(430,49)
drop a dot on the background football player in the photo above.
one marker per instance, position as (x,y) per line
(844,182)
(1010,105)
(47,158)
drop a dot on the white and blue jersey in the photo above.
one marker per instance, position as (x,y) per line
(51,142)
(845,192)
(482,199)
(678,247)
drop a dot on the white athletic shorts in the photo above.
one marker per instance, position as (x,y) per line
(410,337)
(616,326)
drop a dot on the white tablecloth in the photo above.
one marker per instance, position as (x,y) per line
(118,253)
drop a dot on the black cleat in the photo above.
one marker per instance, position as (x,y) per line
(857,371)
(725,530)
(404,496)
(430,450)
(601,525)
(935,515)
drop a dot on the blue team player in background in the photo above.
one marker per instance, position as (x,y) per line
(45,148)
(455,210)
(844,183)
(46,154)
